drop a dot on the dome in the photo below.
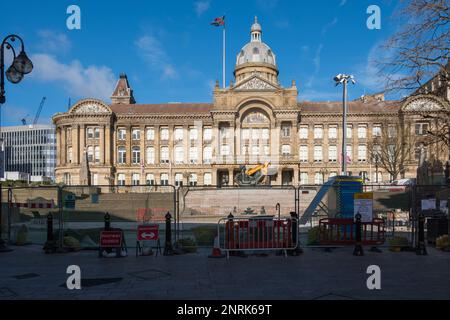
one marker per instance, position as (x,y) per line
(256,51)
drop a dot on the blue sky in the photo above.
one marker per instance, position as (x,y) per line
(171,53)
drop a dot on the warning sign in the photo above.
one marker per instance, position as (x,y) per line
(363,204)
(111,239)
(148,232)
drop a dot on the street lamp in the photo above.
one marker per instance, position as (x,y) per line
(20,66)
(343,78)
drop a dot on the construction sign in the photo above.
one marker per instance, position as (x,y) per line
(148,232)
(363,204)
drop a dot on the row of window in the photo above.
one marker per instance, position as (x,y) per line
(319,177)
(164,133)
(164,155)
(150,179)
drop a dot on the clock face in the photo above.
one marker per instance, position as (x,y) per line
(423,104)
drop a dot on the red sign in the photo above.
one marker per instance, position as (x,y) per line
(111,239)
(148,232)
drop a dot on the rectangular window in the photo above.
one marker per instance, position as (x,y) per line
(421,129)
(207,179)
(362,131)
(245,134)
(178,134)
(332,154)
(318,155)
(332,132)
(193,134)
(266,150)
(164,134)
(349,131)
(192,179)
(265,134)
(178,179)
(135,179)
(90,133)
(96,133)
(285,150)
(286,130)
(362,153)
(376,130)
(303,178)
(303,153)
(150,155)
(121,179)
(150,134)
(150,179)
(97,154)
(179,155)
(318,132)
(207,155)
(303,132)
(136,134)
(207,134)
(164,155)
(121,134)
(224,150)
(121,155)
(90,153)
(392,131)
(318,178)
(193,155)
(136,155)
(349,154)
(164,179)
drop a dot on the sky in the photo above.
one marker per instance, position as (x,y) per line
(171,53)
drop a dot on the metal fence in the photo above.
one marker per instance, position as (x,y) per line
(78,211)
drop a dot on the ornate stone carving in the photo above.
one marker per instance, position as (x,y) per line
(255,84)
(423,104)
(89,108)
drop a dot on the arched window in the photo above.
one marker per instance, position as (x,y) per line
(255,50)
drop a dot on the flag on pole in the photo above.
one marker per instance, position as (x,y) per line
(220,21)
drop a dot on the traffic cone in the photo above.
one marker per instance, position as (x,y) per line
(216,253)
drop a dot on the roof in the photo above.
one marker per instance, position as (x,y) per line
(353,106)
(162,108)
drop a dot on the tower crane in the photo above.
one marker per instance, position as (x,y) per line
(38,113)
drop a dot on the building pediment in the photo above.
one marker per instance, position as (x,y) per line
(424,103)
(255,83)
(90,106)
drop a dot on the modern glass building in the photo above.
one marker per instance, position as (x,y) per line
(30,149)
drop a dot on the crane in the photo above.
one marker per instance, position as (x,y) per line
(38,113)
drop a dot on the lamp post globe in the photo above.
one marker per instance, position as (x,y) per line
(13,75)
(22,63)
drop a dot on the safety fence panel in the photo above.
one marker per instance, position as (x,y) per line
(25,211)
(257,233)
(85,207)
(342,232)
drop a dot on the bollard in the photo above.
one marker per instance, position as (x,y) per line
(168,250)
(421,249)
(107,221)
(358,251)
(295,240)
(50,228)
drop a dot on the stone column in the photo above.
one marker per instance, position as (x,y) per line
(102,144)
(128,145)
(108,145)
(58,146)
(75,144)
(82,143)
(64,146)
(157,146)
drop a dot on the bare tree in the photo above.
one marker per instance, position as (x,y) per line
(392,149)
(420,49)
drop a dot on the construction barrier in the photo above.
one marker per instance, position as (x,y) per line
(334,231)
(257,233)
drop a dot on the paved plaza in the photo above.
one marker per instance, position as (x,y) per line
(28,273)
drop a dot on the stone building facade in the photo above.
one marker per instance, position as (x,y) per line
(254,120)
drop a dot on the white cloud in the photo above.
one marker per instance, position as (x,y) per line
(202,6)
(316,62)
(267,5)
(312,95)
(343,2)
(52,41)
(328,26)
(154,54)
(79,81)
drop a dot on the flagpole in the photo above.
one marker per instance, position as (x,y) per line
(224,57)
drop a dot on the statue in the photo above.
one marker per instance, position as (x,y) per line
(85,174)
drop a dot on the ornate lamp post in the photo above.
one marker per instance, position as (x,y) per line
(343,78)
(20,66)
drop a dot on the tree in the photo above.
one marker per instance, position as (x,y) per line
(420,49)
(392,149)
